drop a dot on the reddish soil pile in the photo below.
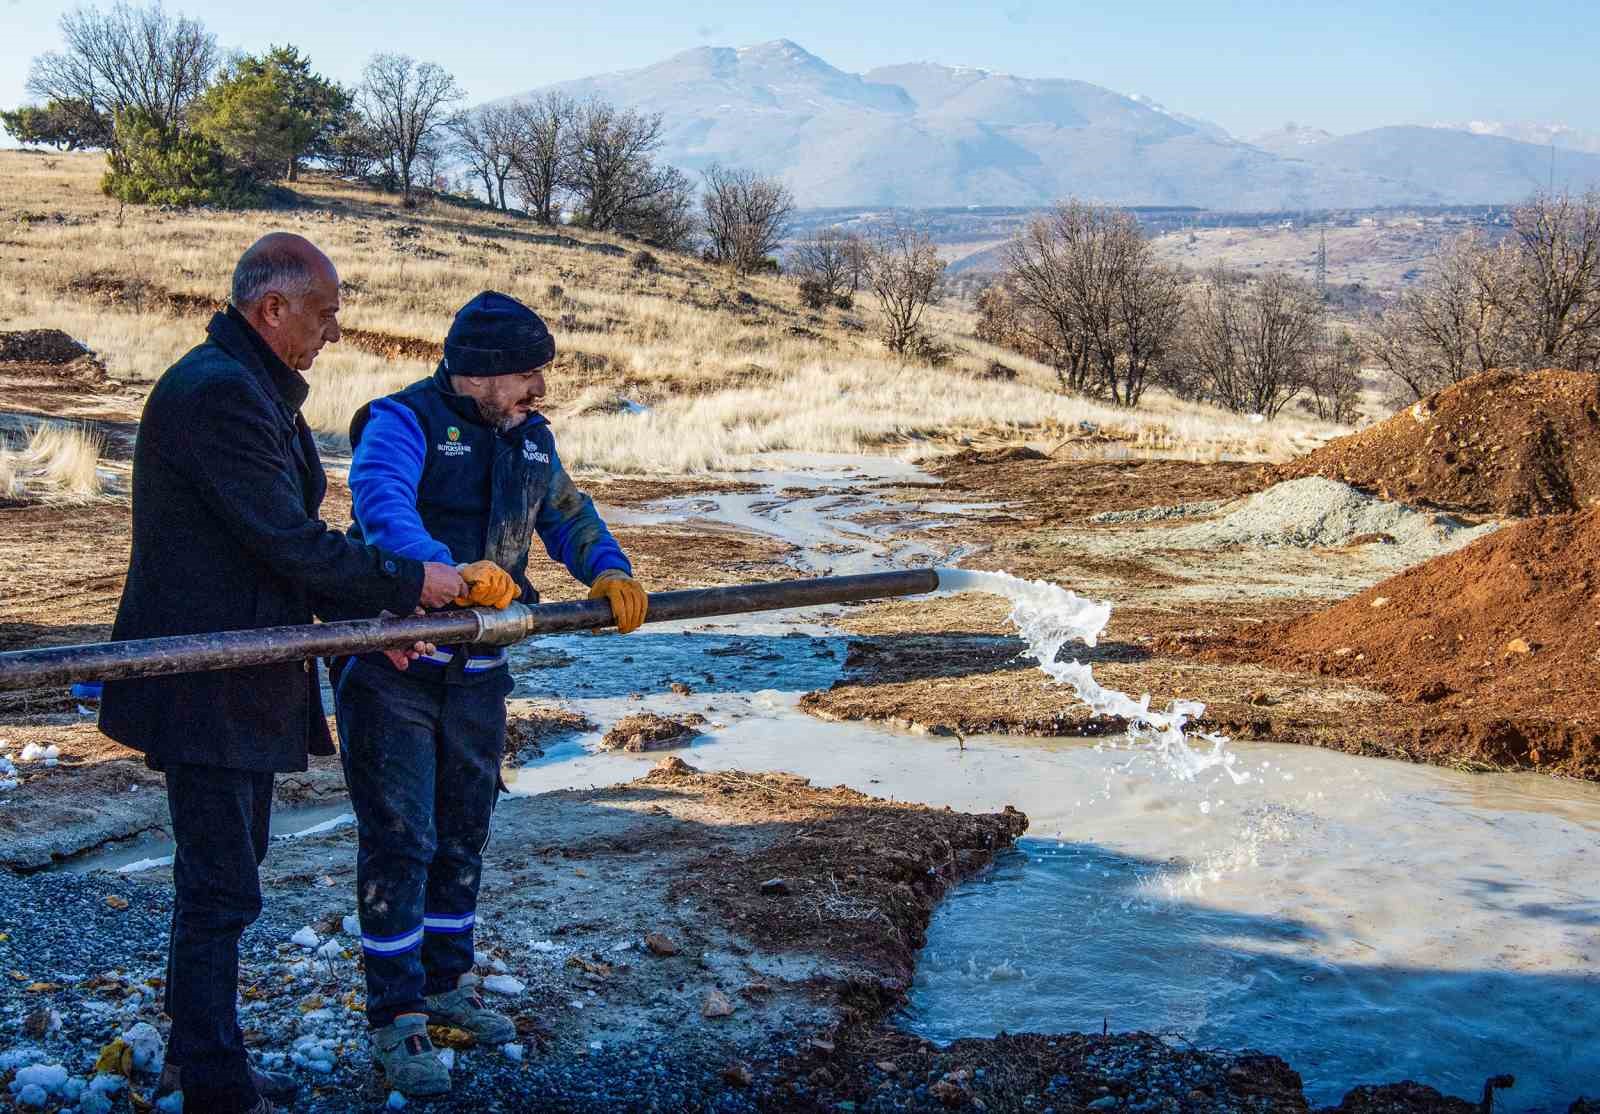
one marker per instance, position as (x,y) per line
(1501,638)
(1498,443)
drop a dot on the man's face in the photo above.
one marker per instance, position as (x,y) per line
(296,328)
(504,401)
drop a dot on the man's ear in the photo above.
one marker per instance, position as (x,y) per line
(272,308)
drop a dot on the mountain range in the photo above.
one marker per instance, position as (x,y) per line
(925,134)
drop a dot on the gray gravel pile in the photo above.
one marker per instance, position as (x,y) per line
(1157,514)
(1318,512)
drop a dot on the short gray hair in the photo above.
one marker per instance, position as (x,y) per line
(268,266)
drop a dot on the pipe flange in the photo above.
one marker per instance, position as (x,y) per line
(503,627)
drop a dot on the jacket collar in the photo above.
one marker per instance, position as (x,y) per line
(235,336)
(467,408)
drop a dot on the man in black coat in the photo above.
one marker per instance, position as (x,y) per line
(226,491)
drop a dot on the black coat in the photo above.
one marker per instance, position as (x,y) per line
(226,490)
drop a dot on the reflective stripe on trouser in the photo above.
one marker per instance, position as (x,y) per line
(422,762)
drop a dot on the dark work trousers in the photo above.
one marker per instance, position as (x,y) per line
(220,821)
(422,761)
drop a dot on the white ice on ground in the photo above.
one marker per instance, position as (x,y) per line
(8,774)
(33,752)
(512,1051)
(331,950)
(504,984)
(351,925)
(146,1045)
(52,1077)
(306,938)
(318,829)
(1048,617)
(145,864)
(447,1057)
(396,1101)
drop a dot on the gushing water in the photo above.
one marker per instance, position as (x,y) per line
(1048,617)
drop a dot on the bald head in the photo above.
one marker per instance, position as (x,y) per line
(289,292)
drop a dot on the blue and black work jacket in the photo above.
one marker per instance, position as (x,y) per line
(432,481)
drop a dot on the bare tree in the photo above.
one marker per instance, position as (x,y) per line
(1252,341)
(1458,321)
(746,215)
(1333,380)
(902,268)
(126,59)
(612,172)
(542,151)
(486,139)
(1090,299)
(406,104)
(1556,295)
(831,260)
(666,217)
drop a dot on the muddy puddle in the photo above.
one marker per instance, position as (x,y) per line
(154,850)
(1363,919)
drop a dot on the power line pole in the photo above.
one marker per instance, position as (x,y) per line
(1322,263)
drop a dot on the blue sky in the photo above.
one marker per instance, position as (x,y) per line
(1246,66)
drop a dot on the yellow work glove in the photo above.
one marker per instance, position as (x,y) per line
(488,585)
(628,601)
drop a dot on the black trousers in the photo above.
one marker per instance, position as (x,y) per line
(220,820)
(422,760)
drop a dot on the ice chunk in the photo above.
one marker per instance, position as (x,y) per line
(331,950)
(49,1076)
(351,925)
(32,1095)
(33,752)
(305,938)
(504,984)
(145,1043)
(447,1057)
(396,1100)
(513,1051)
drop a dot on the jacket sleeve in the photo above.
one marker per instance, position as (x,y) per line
(572,532)
(229,441)
(385,471)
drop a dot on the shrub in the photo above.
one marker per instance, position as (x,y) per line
(643,261)
(158,166)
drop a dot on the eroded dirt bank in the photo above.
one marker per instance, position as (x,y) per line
(951,665)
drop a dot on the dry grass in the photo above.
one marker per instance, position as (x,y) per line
(727,368)
(59,465)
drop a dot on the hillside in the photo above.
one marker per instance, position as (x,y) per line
(716,368)
(925,134)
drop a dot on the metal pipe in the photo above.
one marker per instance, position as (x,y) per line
(196,653)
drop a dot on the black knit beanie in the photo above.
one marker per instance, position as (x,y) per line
(494,334)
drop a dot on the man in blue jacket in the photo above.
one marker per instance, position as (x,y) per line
(458,468)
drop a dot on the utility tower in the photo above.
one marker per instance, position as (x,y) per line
(1322,263)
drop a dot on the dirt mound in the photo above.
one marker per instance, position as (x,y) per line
(648,731)
(1501,638)
(42,346)
(1498,443)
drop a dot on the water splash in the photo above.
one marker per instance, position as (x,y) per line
(1048,617)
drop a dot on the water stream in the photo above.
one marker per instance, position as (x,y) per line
(1366,920)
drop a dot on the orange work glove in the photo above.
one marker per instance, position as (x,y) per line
(628,601)
(488,585)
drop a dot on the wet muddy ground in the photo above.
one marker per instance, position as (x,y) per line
(578,879)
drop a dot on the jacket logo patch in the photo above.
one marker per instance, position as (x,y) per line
(453,445)
(453,433)
(533,454)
